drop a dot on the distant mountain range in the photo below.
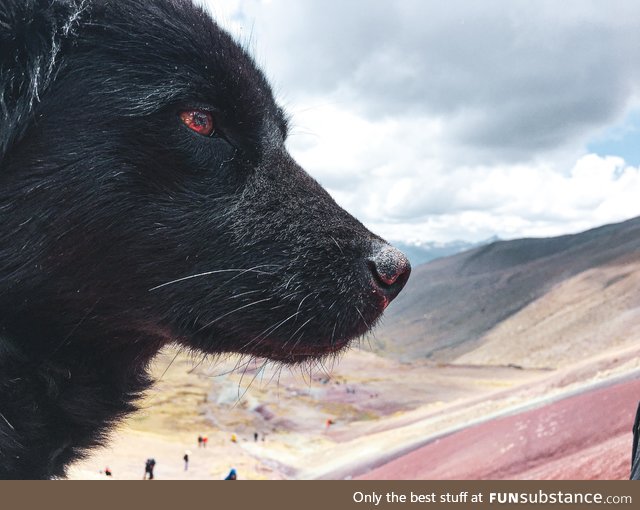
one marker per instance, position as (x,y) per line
(421,253)
(533,301)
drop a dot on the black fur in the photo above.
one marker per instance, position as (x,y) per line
(122,230)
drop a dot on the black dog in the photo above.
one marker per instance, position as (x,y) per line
(146,197)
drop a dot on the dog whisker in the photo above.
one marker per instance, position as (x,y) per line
(7,421)
(362,317)
(231,312)
(237,365)
(268,331)
(236,296)
(333,333)
(339,247)
(303,300)
(306,322)
(218,271)
(170,363)
(258,371)
(202,357)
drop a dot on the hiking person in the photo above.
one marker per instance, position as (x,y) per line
(204,441)
(148,468)
(199,441)
(186,460)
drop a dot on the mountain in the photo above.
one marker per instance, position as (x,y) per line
(535,301)
(421,253)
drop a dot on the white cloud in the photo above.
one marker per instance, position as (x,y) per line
(393,176)
(515,201)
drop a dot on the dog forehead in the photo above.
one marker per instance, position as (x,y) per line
(172,50)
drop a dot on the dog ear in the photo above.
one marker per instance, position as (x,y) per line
(32,33)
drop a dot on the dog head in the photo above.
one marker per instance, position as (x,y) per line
(148,191)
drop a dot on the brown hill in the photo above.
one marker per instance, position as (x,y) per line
(453,305)
(592,312)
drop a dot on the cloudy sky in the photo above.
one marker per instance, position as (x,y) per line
(434,121)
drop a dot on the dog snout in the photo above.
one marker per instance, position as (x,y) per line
(390,269)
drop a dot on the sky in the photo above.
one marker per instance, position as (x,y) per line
(437,121)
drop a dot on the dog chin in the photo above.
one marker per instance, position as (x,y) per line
(302,353)
(281,349)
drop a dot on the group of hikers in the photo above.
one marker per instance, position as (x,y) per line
(150,463)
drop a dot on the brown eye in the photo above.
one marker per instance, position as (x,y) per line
(199,121)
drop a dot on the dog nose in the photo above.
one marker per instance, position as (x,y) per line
(390,269)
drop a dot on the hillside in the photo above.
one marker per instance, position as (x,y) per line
(596,310)
(454,305)
(422,253)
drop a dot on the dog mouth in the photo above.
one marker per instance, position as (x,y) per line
(303,341)
(326,336)
(307,323)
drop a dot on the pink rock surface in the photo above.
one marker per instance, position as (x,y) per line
(585,436)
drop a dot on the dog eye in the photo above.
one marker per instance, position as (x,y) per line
(200,121)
